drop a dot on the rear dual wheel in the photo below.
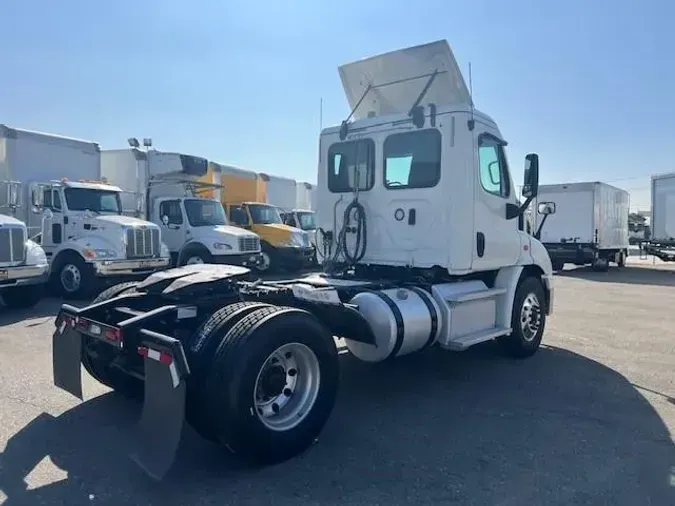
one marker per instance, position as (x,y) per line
(271,385)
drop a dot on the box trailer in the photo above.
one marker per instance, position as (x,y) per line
(661,243)
(589,227)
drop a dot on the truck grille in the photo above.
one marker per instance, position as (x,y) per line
(247,244)
(12,245)
(142,242)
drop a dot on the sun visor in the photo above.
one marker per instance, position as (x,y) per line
(397,78)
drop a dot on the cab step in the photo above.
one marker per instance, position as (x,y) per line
(463,342)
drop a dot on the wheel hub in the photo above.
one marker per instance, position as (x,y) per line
(530,317)
(287,386)
(273,381)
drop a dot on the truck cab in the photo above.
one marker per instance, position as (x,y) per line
(23,263)
(304,219)
(87,238)
(282,245)
(196,231)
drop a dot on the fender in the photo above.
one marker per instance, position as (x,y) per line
(191,244)
(90,242)
(507,278)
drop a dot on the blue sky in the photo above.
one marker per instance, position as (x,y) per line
(589,85)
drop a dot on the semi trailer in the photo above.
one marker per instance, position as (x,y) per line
(428,249)
(661,243)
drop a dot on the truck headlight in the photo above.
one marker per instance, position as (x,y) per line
(299,240)
(164,251)
(91,253)
(221,246)
(35,255)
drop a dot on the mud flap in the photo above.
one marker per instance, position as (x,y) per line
(66,358)
(159,430)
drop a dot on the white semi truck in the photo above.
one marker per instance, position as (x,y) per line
(23,263)
(429,249)
(590,226)
(75,216)
(661,242)
(165,189)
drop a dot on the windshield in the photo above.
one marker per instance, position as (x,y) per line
(98,201)
(263,215)
(202,213)
(307,220)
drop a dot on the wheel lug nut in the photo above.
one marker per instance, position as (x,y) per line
(275,408)
(292,372)
(287,392)
(288,354)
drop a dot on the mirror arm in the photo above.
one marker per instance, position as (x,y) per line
(537,234)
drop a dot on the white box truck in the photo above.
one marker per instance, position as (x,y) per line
(661,243)
(23,263)
(75,216)
(589,227)
(164,188)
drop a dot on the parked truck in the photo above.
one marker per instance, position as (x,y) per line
(75,216)
(166,189)
(590,225)
(245,197)
(661,242)
(23,263)
(419,260)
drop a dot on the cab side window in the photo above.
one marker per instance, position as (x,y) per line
(494,173)
(172,210)
(238,215)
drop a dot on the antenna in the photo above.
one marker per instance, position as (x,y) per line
(472,122)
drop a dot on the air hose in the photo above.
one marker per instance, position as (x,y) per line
(359,250)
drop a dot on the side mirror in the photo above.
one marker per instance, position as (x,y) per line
(165,220)
(13,194)
(531,176)
(47,214)
(546,208)
(37,197)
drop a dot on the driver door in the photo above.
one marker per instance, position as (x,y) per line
(497,241)
(173,231)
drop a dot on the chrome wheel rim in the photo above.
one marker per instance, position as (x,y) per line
(287,387)
(71,278)
(530,317)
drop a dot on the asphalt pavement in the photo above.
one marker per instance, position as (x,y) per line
(588,420)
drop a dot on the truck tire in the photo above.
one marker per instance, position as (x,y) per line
(558,266)
(600,264)
(528,319)
(621,258)
(268,261)
(96,357)
(22,297)
(72,277)
(194,254)
(271,390)
(199,349)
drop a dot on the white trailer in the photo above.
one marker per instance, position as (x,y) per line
(590,225)
(661,243)
(281,191)
(75,216)
(23,263)
(305,196)
(164,188)
(419,260)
